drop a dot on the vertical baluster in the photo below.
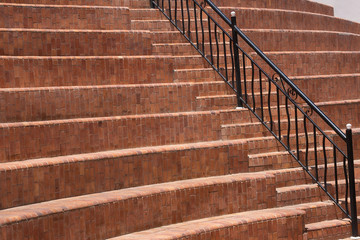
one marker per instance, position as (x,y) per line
(210,42)
(269,106)
(346,185)
(325,163)
(189,22)
(307,145)
(169,9)
(315,154)
(202,31)
(244,68)
(175,13)
(232,64)
(297,134)
(261,96)
(336,175)
(196,27)
(162,6)
(182,16)
(217,48)
(350,158)
(278,110)
(289,121)
(252,84)
(225,56)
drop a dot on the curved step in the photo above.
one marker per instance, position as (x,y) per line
(314,63)
(136,209)
(330,229)
(25,104)
(263,224)
(91,70)
(63,17)
(132,4)
(74,175)
(262,18)
(56,42)
(28,140)
(277,40)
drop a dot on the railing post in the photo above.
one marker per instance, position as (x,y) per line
(237,60)
(350,153)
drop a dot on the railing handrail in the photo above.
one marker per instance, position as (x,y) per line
(290,94)
(278,71)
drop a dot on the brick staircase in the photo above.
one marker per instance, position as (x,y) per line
(113,126)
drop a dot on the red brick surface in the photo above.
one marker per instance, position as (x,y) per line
(112,124)
(104,171)
(63,17)
(24,42)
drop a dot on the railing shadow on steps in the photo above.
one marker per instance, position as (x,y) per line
(306,127)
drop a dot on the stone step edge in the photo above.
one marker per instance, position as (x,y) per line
(98,87)
(308,186)
(39,162)
(274,30)
(38,210)
(282,153)
(113,118)
(326,224)
(42,30)
(197,227)
(99,57)
(2,4)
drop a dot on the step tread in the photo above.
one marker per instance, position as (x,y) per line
(327,224)
(8,166)
(208,224)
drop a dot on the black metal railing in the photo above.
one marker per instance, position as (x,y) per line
(309,136)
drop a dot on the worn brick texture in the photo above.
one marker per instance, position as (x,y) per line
(113,126)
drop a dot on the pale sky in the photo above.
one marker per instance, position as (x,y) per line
(347,9)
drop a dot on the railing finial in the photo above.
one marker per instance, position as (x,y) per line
(233,13)
(348,126)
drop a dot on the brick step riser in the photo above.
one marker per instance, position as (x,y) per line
(329,92)
(256,129)
(273,43)
(274,19)
(71,71)
(303,41)
(208,74)
(27,105)
(259,19)
(292,5)
(35,140)
(287,161)
(313,63)
(281,162)
(302,5)
(44,17)
(270,144)
(310,194)
(60,43)
(83,172)
(115,3)
(169,206)
(283,224)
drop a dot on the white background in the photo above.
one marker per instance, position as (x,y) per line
(347,9)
